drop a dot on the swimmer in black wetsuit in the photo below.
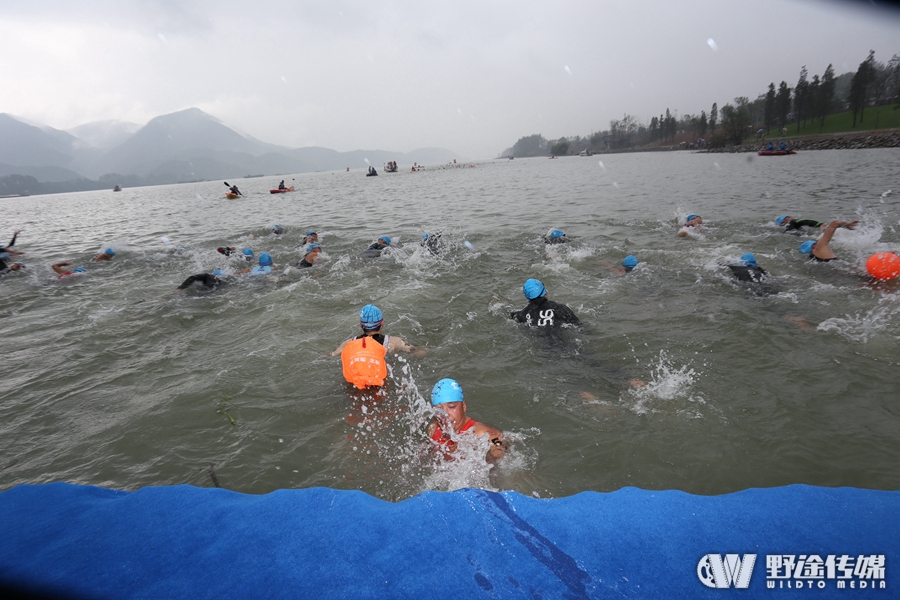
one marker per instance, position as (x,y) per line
(791,224)
(311,258)
(375,249)
(208,280)
(9,247)
(311,238)
(819,250)
(748,270)
(277,229)
(431,241)
(556,236)
(540,311)
(7,268)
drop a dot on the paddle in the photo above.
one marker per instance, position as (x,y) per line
(229,186)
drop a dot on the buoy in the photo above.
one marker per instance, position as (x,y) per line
(883,265)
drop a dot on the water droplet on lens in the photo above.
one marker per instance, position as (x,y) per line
(712,44)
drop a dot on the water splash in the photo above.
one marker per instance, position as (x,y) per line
(860,328)
(667,383)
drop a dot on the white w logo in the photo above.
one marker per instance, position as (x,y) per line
(716,573)
(546,317)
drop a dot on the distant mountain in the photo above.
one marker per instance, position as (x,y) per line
(26,145)
(104,135)
(188,145)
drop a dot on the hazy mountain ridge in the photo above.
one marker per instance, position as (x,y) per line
(187,145)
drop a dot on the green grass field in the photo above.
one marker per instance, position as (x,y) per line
(876,117)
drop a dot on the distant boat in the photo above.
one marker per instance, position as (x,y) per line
(586,153)
(391,167)
(776,152)
(117,189)
(252,176)
(231,195)
(282,191)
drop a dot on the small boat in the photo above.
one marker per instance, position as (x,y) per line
(117,189)
(282,191)
(231,195)
(776,152)
(391,167)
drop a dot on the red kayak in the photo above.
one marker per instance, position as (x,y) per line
(288,189)
(775,152)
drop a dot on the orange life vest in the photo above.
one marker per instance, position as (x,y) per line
(363,362)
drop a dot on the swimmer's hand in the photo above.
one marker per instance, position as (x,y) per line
(497,450)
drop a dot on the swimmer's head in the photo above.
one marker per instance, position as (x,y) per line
(630,262)
(265,259)
(385,239)
(690,218)
(446,390)
(276,228)
(533,289)
(370,318)
(247,252)
(425,236)
(782,219)
(312,247)
(748,259)
(312,232)
(217,272)
(78,270)
(110,252)
(806,247)
(555,234)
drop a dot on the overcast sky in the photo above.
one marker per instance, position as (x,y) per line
(471,76)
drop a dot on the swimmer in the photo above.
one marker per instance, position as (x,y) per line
(277,229)
(7,268)
(362,357)
(540,311)
(63,272)
(227,250)
(556,236)
(105,255)
(819,250)
(375,249)
(431,241)
(208,280)
(748,270)
(692,221)
(448,395)
(264,267)
(311,237)
(8,248)
(628,265)
(248,254)
(791,224)
(312,257)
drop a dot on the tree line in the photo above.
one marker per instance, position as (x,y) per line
(805,106)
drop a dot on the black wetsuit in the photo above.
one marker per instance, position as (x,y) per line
(747,273)
(12,242)
(541,312)
(432,242)
(4,268)
(308,240)
(226,251)
(207,279)
(795,224)
(303,264)
(375,249)
(556,240)
(817,259)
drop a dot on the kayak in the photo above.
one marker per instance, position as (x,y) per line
(776,152)
(288,189)
(230,196)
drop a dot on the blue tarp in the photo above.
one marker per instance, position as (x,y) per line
(188,542)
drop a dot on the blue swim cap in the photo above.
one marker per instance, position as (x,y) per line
(217,272)
(4,255)
(690,217)
(555,233)
(79,270)
(276,226)
(385,239)
(630,261)
(533,289)
(749,260)
(780,220)
(265,259)
(311,232)
(110,251)
(312,247)
(446,390)
(247,252)
(425,236)
(370,317)
(806,247)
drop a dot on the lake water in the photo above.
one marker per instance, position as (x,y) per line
(112,379)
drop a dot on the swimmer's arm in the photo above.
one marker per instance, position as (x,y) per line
(340,348)
(243,271)
(398,344)
(58,267)
(498,445)
(432,425)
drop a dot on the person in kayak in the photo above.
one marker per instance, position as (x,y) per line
(281,185)
(540,311)
(791,224)
(452,421)
(820,250)
(363,357)
(235,190)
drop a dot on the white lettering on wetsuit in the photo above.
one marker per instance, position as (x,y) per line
(546,317)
